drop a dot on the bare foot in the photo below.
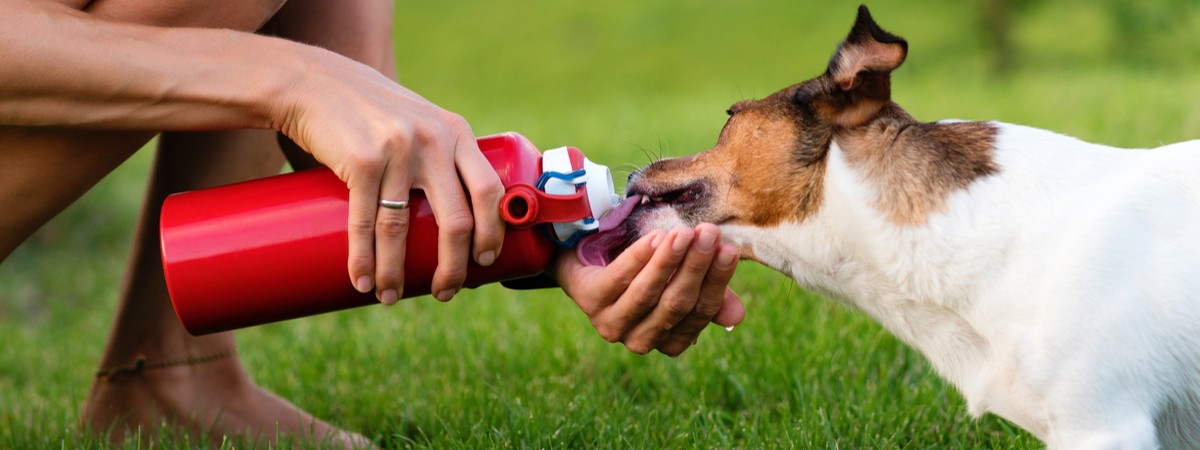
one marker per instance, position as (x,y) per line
(213,399)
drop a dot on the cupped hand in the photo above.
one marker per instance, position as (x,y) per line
(383,140)
(661,292)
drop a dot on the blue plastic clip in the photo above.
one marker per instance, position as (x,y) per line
(546,176)
(548,229)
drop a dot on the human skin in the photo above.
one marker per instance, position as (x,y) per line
(380,138)
(63,132)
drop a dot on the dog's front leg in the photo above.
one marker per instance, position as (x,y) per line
(1114,430)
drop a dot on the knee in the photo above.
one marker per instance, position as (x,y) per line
(360,30)
(238,15)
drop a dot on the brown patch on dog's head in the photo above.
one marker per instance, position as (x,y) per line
(769,162)
(767,167)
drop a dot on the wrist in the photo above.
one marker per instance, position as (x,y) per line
(284,84)
(303,77)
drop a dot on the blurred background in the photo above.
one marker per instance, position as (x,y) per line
(619,79)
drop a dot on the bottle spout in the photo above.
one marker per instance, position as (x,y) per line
(570,196)
(524,206)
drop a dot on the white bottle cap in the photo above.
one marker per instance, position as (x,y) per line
(601,191)
(558,160)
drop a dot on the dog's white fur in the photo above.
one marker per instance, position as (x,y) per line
(1062,293)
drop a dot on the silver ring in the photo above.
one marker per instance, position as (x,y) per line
(393,204)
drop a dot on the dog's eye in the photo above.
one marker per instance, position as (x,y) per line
(801,96)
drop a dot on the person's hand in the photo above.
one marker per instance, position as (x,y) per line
(661,292)
(384,140)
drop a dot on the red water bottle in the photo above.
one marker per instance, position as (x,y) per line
(274,249)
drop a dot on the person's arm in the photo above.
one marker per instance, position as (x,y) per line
(63,68)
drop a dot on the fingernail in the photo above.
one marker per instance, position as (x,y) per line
(725,259)
(658,238)
(682,241)
(487,258)
(363,284)
(706,241)
(445,295)
(388,297)
(729,328)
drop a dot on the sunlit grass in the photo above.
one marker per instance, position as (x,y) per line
(498,368)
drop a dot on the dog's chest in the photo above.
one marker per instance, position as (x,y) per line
(1010,281)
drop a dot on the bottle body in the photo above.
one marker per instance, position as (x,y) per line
(275,249)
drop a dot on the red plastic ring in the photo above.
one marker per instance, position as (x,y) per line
(519,207)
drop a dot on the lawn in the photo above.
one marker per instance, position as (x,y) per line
(499,368)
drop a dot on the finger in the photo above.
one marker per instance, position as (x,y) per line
(485,189)
(647,287)
(391,230)
(680,299)
(732,313)
(454,222)
(575,276)
(621,272)
(364,203)
(709,300)
(715,298)
(732,310)
(594,288)
(716,284)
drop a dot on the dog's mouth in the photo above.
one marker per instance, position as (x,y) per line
(688,193)
(616,232)
(614,237)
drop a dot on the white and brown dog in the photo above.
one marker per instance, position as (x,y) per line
(1054,282)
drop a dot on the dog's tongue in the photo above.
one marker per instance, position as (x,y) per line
(597,249)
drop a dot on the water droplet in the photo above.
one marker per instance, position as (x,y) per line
(729,328)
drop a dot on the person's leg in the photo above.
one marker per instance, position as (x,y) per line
(44,170)
(210,396)
(360,30)
(196,395)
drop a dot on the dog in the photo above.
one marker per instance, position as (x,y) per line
(1053,282)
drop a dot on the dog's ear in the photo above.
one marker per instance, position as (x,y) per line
(861,69)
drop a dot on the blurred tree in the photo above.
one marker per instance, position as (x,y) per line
(1137,22)
(995,18)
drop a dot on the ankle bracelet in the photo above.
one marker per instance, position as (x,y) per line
(140,364)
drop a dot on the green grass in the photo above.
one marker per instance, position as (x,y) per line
(497,368)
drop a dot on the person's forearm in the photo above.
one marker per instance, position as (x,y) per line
(61,67)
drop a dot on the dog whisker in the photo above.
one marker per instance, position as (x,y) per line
(649,157)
